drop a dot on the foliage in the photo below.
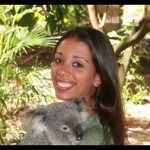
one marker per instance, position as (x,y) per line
(14,40)
(54,19)
(64,17)
(134,89)
(117,36)
(22,28)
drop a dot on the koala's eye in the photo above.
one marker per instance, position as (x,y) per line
(65,128)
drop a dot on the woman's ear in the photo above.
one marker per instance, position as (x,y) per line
(97,80)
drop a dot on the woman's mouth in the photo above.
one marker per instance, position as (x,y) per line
(64,85)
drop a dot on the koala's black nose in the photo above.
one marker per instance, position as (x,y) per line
(79,132)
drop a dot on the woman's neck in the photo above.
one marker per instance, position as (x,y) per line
(91,106)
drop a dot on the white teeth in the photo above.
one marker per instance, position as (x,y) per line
(64,84)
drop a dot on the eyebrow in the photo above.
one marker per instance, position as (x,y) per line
(60,53)
(80,58)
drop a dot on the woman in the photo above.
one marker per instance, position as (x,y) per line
(84,65)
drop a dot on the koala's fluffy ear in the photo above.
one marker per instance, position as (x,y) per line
(35,119)
(80,102)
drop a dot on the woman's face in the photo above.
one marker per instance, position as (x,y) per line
(73,72)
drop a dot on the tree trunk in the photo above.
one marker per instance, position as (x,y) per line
(93,17)
(122,70)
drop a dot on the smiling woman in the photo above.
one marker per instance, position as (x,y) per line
(70,70)
(84,65)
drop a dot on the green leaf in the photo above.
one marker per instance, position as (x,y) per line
(2,103)
(2,22)
(77,14)
(28,19)
(51,24)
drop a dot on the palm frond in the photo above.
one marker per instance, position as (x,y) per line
(18,39)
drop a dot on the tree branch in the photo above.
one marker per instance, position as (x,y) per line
(93,17)
(141,31)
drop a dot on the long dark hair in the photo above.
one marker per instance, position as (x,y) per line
(107,97)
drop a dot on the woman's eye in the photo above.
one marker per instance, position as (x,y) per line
(76,64)
(57,61)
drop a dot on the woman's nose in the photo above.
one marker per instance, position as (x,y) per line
(64,70)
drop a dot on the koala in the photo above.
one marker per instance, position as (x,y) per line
(58,123)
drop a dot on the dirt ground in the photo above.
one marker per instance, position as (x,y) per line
(138,124)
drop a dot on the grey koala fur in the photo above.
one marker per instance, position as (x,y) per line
(58,123)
